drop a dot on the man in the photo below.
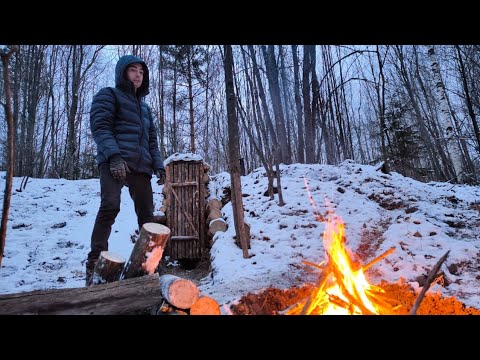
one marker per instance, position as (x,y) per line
(127,151)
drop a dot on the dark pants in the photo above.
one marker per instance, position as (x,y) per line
(140,189)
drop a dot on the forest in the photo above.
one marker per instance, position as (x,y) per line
(411,108)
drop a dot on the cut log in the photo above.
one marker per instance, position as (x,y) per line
(205,305)
(161,219)
(215,226)
(206,178)
(128,297)
(214,214)
(179,292)
(147,252)
(108,268)
(214,204)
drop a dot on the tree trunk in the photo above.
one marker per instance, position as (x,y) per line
(448,127)
(127,297)
(274,87)
(234,154)
(181,293)
(307,110)
(190,98)
(148,251)
(5,56)
(298,104)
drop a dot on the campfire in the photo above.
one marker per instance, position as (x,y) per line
(342,287)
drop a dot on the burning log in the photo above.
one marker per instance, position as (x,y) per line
(108,268)
(127,297)
(147,252)
(205,305)
(181,293)
(342,287)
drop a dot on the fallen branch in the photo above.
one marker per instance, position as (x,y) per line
(428,282)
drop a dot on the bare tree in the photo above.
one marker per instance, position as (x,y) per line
(6,54)
(448,126)
(234,155)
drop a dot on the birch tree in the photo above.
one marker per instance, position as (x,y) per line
(448,126)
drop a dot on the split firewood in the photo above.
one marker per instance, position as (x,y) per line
(428,282)
(147,252)
(205,305)
(179,292)
(108,268)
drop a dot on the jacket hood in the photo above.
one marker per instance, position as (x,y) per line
(123,83)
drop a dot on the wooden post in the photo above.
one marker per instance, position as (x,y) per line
(108,268)
(181,293)
(148,251)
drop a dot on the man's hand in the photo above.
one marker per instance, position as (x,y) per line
(118,168)
(161,176)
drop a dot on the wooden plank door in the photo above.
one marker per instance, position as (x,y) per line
(185,210)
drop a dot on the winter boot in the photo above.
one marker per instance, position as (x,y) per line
(89,271)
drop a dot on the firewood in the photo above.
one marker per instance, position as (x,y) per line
(108,268)
(179,292)
(127,297)
(205,305)
(215,226)
(214,214)
(214,204)
(378,258)
(428,282)
(206,178)
(168,309)
(147,252)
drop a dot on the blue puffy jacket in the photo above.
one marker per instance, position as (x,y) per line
(122,123)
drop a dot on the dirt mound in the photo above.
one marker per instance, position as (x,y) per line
(272,300)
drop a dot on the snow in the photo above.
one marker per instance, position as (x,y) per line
(50,222)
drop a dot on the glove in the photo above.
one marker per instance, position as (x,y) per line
(118,167)
(161,175)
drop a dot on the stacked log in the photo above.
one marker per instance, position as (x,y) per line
(139,295)
(215,219)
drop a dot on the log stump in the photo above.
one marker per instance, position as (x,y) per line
(147,252)
(108,268)
(179,292)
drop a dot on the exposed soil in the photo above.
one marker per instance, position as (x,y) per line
(272,301)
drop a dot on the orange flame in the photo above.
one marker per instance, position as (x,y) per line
(342,287)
